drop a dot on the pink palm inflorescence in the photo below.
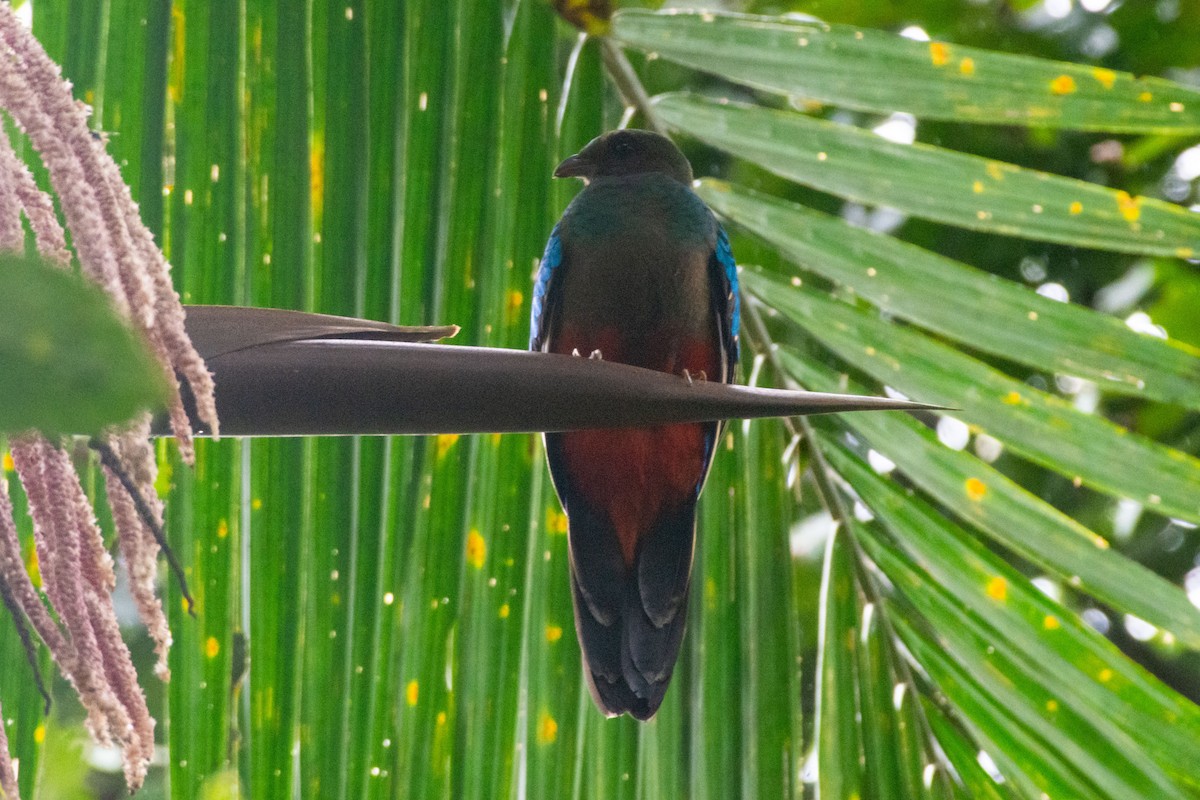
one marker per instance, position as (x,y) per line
(116,250)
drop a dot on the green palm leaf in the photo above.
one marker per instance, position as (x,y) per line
(390,617)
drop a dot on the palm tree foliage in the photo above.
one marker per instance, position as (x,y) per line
(389,617)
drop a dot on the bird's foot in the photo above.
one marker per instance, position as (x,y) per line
(596,355)
(692,379)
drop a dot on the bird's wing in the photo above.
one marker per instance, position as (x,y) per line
(542,295)
(724,281)
(725,299)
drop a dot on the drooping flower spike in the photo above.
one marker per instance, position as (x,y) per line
(115,250)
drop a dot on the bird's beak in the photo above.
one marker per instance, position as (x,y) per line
(575,167)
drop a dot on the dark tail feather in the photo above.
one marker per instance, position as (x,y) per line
(630,622)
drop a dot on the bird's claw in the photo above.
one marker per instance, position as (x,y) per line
(692,379)
(596,355)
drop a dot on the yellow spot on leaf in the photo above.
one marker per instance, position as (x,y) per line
(553,633)
(1063,84)
(967,66)
(1145,97)
(444,442)
(995,170)
(8,462)
(1075,208)
(440,719)
(1180,252)
(256,504)
(504,611)
(316,163)
(211,647)
(39,733)
(939,54)
(1013,398)
(34,568)
(977,187)
(476,549)
(976,489)
(1051,623)
(411,692)
(1130,207)
(1052,706)
(1106,77)
(513,306)
(222,529)
(547,729)
(997,588)
(556,521)
(175,83)
(1105,675)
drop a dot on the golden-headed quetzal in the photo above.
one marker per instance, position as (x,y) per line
(637,271)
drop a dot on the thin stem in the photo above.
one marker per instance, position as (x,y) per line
(109,459)
(18,618)
(633,94)
(824,477)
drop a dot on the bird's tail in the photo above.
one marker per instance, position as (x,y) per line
(630,619)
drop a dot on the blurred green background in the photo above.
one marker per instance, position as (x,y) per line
(391,617)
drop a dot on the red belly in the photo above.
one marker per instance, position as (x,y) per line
(633,474)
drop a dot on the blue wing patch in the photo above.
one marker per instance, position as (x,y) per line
(723,275)
(551,259)
(727,300)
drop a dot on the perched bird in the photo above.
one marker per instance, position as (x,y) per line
(637,271)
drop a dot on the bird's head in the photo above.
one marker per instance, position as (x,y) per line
(627,152)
